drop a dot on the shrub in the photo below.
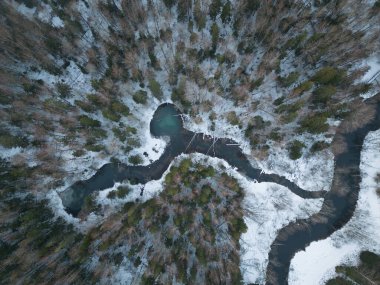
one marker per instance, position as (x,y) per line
(205,195)
(288,80)
(30,88)
(135,159)
(251,6)
(226,12)
(78,152)
(314,124)
(140,97)
(90,146)
(122,191)
(214,35)
(237,227)
(329,75)
(303,87)
(295,149)
(155,88)
(214,9)
(323,94)
(85,106)
(111,194)
(9,141)
(96,100)
(279,101)
(87,122)
(110,115)
(53,45)
(318,146)
(64,90)
(119,108)
(295,42)
(232,118)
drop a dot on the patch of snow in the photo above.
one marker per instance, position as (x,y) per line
(310,172)
(57,22)
(22,9)
(7,153)
(269,207)
(362,232)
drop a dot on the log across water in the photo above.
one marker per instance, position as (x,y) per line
(167,122)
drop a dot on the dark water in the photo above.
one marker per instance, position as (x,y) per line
(167,122)
(338,207)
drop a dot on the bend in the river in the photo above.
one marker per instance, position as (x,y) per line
(167,121)
(339,203)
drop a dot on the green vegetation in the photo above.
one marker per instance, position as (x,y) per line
(318,146)
(135,159)
(87,122)
(295,149)
(140,97)
(296,41)
(233,119)
(288,80)
(121,192)
(8,140)
(214,35)
(366,273)
(314,123)
(329,75)
(226,12)
(155,88)
(64,90)
(303,87)
(323,94)
(110,115)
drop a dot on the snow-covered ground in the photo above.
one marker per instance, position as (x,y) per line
(269,207)
(317,263)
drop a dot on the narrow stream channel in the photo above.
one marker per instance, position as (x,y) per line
(167,122)
(339,203)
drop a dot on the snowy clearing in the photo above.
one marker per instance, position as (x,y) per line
(317,263)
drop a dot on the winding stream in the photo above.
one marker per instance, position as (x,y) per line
(339,203)
(168,122)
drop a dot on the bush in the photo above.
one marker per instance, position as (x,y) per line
(226,12)
(87,122)
(295,42)
(140,97)
(9,141)
(155,88)
(318,146)
(295,150)
(122,191)
(85,106)
(120,108)
(323,94)
(232,118)
(303,87)
(110,115)
(214,9)
(64,90)
(53,45)
(251,6)
(135,159)
(329,75)
(288,80)
(314,124)
(214,35)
